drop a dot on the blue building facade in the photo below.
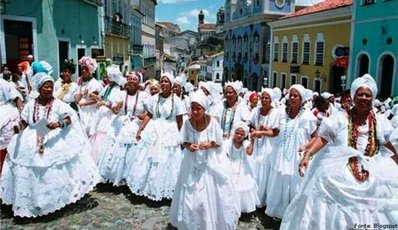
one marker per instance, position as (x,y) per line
(375,44)
(136,57)
(247,37)
(51,30)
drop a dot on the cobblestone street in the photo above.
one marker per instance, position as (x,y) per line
(115,208)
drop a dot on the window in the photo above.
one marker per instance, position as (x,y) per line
(276,51)
(283,81)
(218,63)
(317,85)
(284,52)
(274,79)
(368,2)
(294,54)
(218,77)
(256,56)
(293,79)
(267,53)
(304,81)
(306,49)
(320,49)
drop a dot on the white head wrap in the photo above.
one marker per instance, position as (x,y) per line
(41,78)
(188,87)
(278,93)
(243,126)
(114,73)
(205,85)
(200,98)
(301,91)
(236,85)
(169,76)
(181,80)
(308,95)
(270,92)
(364,81)
(326,95)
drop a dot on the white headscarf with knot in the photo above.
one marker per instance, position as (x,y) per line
(243,126)
(200,98)
(278,93)
(270,92)
(180,80)
(236,85)
(364,81)
(41,78)
(169,76)
(115,75)
(302,91)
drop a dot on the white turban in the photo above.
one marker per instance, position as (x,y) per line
(114,74)
(200,98)
(302,91)
(270,92)
(41,78)
(243,126)
(169,76)
(364,81)
(308,95)
(326,95)
(180,80)
(278,93)
(236,85)
(204,85)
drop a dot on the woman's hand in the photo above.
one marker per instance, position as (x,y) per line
(193,147)
(138,136)
(53,125)
(303,165)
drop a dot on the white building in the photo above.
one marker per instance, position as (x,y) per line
(215,67)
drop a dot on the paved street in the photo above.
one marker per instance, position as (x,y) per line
(115,208)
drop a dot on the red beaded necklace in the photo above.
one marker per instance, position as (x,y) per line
(36,117)
(371,148)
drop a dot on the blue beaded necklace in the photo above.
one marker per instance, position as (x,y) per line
(287,136)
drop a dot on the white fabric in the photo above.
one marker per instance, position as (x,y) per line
(263,147)
(205,197)
(70,94)
(200,98)
(88,112)
(37,184)
(330,197)
(283,180)
(242,175)
(41,78)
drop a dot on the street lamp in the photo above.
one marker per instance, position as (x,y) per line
(343,81)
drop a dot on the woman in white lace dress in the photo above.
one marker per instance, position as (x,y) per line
(49,164)
(353,180)
(205,197)
(115,155)
(297,126)
(154,170)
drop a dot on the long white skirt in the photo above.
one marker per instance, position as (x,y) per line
(331,198)
(38,184)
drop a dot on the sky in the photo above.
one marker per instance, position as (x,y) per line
(185,12)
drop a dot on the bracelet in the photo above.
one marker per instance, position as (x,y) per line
(61,124)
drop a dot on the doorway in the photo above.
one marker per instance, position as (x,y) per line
(63,52)
(387,70)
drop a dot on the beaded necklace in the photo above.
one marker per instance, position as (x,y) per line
(108,91)
(227,133)
(199,165)
(135,105)
(371,148)
(172,107)
(268,115)
(238,157)
(287,137)
(36,117)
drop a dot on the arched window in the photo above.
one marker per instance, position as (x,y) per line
(363,61)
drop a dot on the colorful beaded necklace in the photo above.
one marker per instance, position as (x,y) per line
(36,117)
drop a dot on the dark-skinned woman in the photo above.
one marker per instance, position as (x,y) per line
(296,125)
(49,164)
(115,156)
(353,180)
(65,89)
(158,156)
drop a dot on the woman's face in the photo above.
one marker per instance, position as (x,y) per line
(46,90)
(230,94)
(131,86)
(295,99)
(85,73)
(265,100)
(67,75)
(154,90)
(346,102)
(254,101)
(239,134)
(198,112)
(165,84)
(363,98)
(177,89)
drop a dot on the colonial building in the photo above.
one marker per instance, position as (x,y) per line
(169,29)
(246,37)
(117,30)
(136,51)
(374,44)
(49,30)
(308,47)
(205,30)
(215,67)
(147,7)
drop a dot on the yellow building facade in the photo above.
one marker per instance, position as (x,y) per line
(311,49)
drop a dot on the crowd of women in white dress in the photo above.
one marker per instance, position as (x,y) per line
(216,152)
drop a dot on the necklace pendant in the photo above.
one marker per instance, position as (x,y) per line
(41,149)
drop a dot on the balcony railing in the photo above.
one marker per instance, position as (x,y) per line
(116,27)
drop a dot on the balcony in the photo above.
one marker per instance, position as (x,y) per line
(117,28)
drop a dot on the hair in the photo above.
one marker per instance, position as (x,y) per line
(69,64)
(7,75)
